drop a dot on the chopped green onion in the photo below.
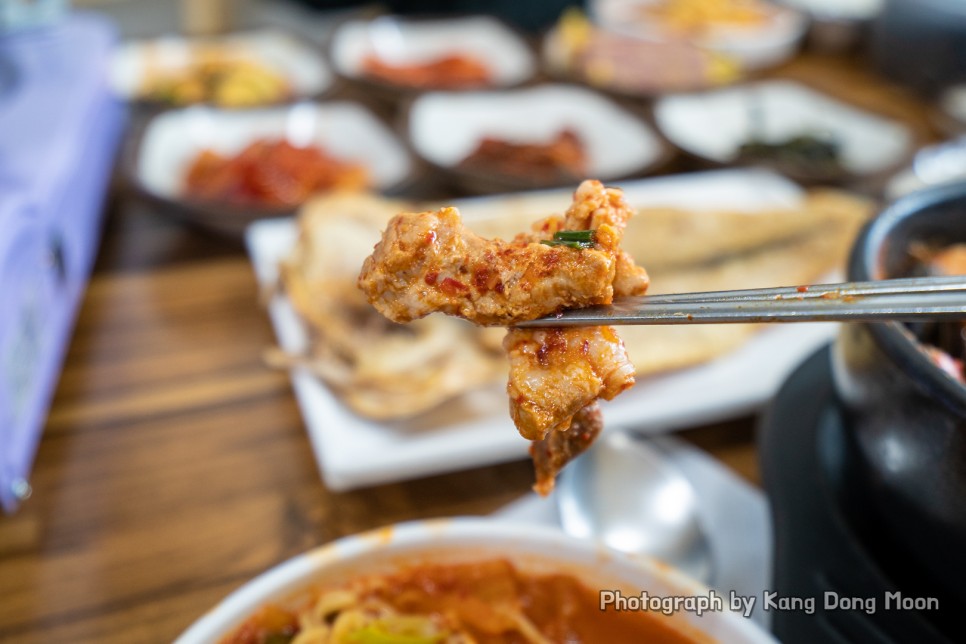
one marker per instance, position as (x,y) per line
(568,244)
(572,239)
(375,634)
(574,235)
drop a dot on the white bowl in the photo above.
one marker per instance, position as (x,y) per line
(172,140)
(399,41)
(299,64)
(445,127)
(754,48)
(713,125)
(532,548)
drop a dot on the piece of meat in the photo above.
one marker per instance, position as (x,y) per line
(551,453)
(629,279)
(430,262)
(556,372)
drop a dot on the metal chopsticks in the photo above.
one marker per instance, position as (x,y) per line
(906,300)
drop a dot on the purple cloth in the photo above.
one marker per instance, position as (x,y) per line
(59,129)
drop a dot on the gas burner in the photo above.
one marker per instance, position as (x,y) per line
(837,575)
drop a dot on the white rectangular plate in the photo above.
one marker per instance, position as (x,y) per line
(476,430)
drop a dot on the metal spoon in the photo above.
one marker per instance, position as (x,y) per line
(625,493)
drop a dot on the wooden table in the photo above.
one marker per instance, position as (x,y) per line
(175,465)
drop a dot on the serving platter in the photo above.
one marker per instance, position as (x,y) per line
(475,429)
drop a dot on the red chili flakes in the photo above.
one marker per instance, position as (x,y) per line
(542,353)
(549,261)
(481,279)
(430,238)
(486,279)
(452,287)
(553,342)
(431,278)
(802,289)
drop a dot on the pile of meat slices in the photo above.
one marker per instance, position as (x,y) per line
(430,262)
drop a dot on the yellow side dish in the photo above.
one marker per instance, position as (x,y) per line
(696,16)
(226,81)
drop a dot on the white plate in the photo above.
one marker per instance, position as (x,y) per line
(347,130)
(476,430)
(530,547)
(755,47)
(401,42)
(838,9)
(446,127)
(715,124)
(302,66)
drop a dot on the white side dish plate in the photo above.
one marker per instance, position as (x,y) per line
(754,47)
(713,125)
(476,430)
(445,127)
(406,42)
(347,130)
(302,66)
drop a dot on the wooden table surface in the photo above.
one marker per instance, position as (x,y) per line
(174,464)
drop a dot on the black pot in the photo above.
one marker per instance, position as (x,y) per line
(906,415)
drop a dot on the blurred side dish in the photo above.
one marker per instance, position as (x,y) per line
(628,64)
(805,157)
(562,159)
(270,173)
(450,71)
(222,78)
(695,17)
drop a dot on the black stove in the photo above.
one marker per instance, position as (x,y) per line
(838,576)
